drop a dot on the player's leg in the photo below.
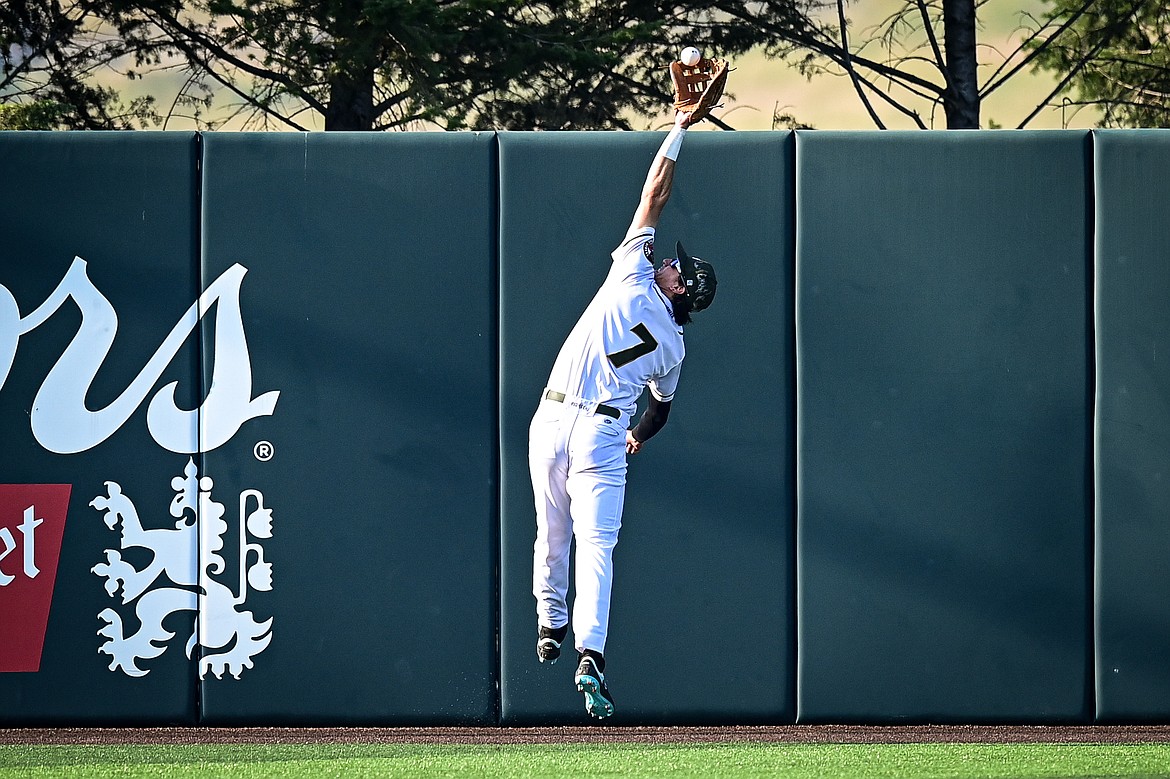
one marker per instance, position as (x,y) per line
(597,480)
(548,467)
(597,491)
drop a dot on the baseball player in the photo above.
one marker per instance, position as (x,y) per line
(629,338)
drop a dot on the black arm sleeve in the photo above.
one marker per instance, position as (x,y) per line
(653,419)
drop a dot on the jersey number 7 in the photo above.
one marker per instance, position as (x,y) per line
(627,356)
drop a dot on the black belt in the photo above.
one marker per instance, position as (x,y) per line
(604,410)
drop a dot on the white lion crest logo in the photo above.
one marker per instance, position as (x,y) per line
(219,623)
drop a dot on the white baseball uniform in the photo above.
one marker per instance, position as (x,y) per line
(626,340)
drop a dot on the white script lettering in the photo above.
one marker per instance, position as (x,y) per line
(61,421)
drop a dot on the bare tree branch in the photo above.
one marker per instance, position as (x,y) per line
(848,62)
(939,60)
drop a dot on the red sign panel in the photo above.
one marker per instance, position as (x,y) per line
(32,523)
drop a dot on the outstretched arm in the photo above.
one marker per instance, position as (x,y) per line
(660,179)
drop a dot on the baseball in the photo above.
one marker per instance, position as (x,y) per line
(689,56)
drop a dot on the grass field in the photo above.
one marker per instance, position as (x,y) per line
(792,761)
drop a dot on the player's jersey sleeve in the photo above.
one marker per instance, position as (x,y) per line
(633,260)
(664,387)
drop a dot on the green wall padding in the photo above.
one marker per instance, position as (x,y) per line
(944,407)
(125,203)
(704,581)
(873,502)
(370,307)
(1133,425)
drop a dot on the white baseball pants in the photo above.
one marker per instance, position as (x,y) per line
(578,464)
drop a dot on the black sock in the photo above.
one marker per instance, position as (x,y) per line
(598,660)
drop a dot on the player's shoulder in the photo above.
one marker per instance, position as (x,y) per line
(638,238)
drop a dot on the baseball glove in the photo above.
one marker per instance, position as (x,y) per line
(698,87)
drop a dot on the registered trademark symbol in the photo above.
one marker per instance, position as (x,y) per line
(263,451)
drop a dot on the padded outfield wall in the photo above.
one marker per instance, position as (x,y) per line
(264,403)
